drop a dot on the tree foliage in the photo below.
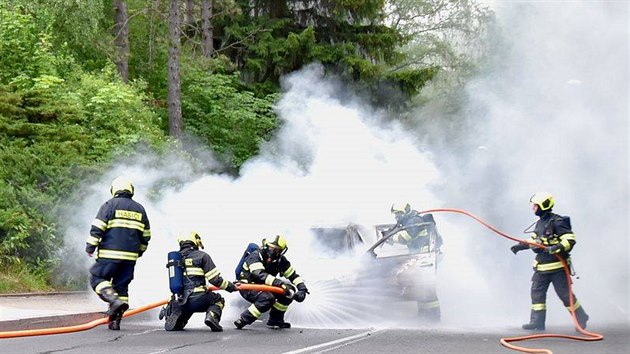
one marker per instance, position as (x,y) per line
(65,114)
(57,127)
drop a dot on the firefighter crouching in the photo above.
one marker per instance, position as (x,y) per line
(119,234)
(554,232)
(262,266)
(198,270)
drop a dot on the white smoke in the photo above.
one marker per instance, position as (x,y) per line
(551,114)
(552,117)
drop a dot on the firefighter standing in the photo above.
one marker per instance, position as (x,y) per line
(262,266)
(199,269)
(554,232)
(413,230)
(120,234)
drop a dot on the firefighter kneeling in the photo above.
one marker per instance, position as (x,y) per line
(262,266)
(193,268)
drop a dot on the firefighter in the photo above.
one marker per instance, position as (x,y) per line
(119,235)
(412,230)
(554,232)
(199,269)
(263,266)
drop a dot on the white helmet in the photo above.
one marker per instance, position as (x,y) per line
(120,184)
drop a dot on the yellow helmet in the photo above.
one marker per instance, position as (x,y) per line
(544,200)
(191,236)
(276,248)
(401,209)
(120,184)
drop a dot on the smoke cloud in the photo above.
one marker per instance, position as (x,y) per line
(550,115)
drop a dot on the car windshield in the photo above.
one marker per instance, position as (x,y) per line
(403,243)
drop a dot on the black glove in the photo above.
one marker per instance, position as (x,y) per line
(519,247)
(553,249)
(231,287)
(89,249)
(299,296)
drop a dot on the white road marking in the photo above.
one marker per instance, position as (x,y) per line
(338,343)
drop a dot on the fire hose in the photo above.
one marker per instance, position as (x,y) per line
(101,321)
(588,336)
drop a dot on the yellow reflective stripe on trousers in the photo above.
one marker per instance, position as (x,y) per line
(429,304)
(539,306)
(127,224)
(112,254)
(254,311)
(102,285)
(280,307)
(199,289)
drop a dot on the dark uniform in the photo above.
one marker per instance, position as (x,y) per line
(120,234)
(261,268)
(554,232)
(414,233)
(199,270)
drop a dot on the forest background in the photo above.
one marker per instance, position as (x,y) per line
(86,83)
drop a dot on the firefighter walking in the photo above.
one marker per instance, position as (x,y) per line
(263,266)
(119,235)
(554,232)
(199,269)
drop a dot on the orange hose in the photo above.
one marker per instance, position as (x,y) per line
(506,341)
(101,321)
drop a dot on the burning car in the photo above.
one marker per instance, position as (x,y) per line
(400,270)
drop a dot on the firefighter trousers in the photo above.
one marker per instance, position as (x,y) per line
(178,314)
(263,301)
(115,273)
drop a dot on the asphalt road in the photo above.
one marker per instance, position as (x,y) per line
(146,335)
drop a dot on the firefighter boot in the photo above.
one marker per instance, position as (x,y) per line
(581,317)
(276,319)
(537,321)
(114,323)
(212,321)
(116,307)
(175,320)
(240,323)
(246,318)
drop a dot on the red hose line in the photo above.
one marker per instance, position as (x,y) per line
(101,321)
(590,336)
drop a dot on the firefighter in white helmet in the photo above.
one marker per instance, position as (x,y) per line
(119,235)
(554,232)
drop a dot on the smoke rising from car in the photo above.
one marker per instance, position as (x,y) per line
(552,116)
